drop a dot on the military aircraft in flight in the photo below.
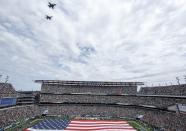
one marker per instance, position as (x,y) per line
(51,5)
(48,17)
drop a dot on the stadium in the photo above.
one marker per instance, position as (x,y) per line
(93,65)
(93,105)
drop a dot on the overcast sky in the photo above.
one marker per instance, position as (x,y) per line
(111,40)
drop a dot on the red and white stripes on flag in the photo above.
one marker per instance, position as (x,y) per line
(99,125)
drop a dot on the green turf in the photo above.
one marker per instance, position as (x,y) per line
(140,126)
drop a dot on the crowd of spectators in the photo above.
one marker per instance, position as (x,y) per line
(13,114)
(7,90)
(166,120)
(130,99)
(156,117)
(56,94)
(179,90)
(60,89)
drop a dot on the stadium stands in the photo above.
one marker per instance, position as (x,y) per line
(27,97)
(7,95)
(60,87)
(178,90)
(89,100)
(159,101)
(167,121)
(7,90)
(76,98)
(13,114)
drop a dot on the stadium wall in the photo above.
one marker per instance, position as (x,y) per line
(158,101)
(7,102)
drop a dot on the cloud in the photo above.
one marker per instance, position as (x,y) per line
(113,40)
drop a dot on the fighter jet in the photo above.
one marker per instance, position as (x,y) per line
(48,17)
(51,5)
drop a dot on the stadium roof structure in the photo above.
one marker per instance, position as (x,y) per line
(88,83)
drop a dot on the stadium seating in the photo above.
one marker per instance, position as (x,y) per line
(59,89)
(7,90)
(178,90)
(104,101)
(130,99)
(13,114)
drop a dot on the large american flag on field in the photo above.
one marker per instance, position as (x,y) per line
(81,125)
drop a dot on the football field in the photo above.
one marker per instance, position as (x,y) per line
(66,123)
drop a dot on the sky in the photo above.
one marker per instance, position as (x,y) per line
(105,40)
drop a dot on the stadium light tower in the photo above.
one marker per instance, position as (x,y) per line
(184,77)
(0,77)
(178,80)
(7,78)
